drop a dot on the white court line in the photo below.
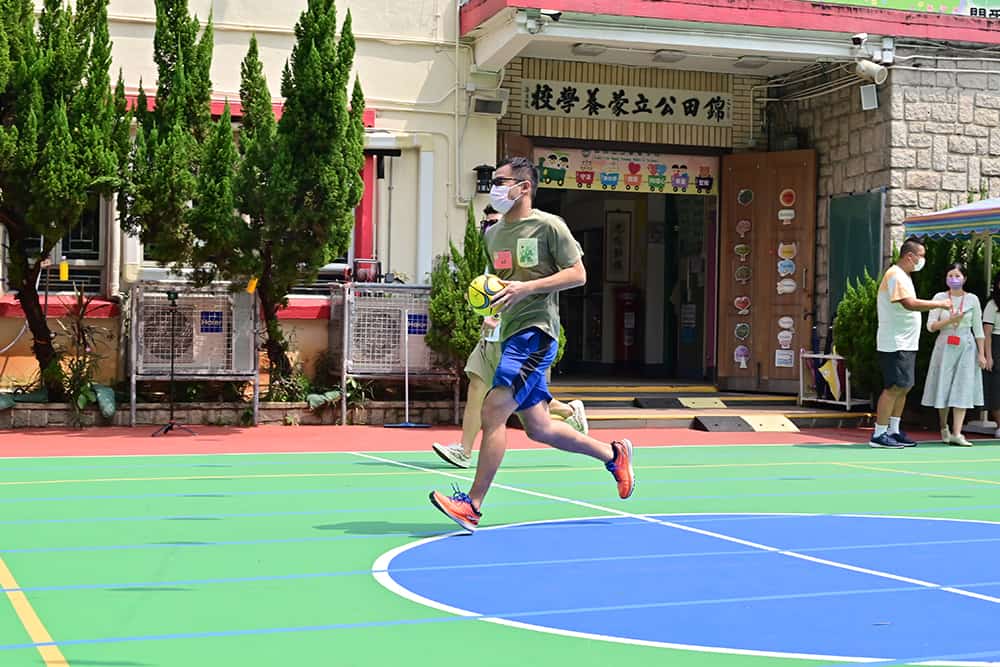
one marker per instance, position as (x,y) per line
(380,567)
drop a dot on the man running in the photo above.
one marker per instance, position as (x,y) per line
(536,256)
(479,368)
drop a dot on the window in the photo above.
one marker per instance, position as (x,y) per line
(81,247)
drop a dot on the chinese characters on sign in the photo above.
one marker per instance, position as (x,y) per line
(637,104)
(583,169)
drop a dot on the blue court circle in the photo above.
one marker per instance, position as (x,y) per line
(846,587)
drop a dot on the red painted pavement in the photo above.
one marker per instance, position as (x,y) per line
(121,441)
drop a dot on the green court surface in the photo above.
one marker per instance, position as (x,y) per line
(264,560)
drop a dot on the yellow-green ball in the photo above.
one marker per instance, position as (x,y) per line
(482,289)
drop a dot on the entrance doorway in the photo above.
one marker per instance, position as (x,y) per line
(648,308)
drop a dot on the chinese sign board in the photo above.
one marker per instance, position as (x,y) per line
(625,171)
(599,101)
(977,8)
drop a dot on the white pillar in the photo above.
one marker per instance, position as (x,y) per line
(425,217)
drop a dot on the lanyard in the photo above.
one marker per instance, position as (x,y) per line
(961,307)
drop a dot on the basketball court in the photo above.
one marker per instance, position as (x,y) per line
(283,545)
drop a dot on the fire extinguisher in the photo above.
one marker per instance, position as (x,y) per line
(627,320)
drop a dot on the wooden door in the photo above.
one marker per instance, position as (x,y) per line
(767,254)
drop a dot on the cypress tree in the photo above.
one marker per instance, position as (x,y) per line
(58,126)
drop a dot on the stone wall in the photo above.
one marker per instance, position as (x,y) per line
(945,136)
(60,415)
(852,157)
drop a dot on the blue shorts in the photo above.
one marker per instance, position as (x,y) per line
(525,358)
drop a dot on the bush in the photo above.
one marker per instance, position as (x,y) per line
(854,332)
(454,329)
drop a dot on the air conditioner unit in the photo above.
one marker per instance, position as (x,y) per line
(489,103)
(208,333)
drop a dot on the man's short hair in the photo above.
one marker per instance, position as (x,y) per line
(523,170)
(910,245)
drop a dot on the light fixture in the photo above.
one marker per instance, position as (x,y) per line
(866,69)
(668,56)
(582,49)
(750,62)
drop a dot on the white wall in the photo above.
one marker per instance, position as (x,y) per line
(408,66)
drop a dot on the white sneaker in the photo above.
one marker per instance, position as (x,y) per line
(578,420)
(959,440)
(996,434)
(453,454)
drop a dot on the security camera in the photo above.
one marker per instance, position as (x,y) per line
(859,39)
(552,14)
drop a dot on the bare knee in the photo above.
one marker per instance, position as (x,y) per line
(496,410)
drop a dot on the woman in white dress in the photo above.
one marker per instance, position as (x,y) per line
(953,380)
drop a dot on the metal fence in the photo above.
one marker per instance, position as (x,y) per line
(383,333)
(205,333)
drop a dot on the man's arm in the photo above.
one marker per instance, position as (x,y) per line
(515,291)
(912,303)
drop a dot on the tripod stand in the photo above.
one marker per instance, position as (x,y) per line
(172,424)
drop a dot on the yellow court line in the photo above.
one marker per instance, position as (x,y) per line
(923,474)
(306,475)
(639,389)
(577,397)
(51,655)
(198,477)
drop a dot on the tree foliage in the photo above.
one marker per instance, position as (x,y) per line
(282,205)
(854,331)
(63,137)
(171,144)
(454,328)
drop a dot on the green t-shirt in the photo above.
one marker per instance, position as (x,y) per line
(527,249)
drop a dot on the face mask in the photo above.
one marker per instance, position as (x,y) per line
(916,267)
(500,198)
(955,283)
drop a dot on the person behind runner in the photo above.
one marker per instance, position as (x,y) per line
(536,256)
(479,368)
(897,341)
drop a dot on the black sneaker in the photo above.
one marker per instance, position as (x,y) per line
(903,439)
(885,441)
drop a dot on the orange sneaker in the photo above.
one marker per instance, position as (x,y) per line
(621,467)
(458,508)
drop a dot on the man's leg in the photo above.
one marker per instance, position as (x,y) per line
(479,368)
(560,435)
(472,420)
(498,406)
(560,409)
(886,406)
(616,456)
(905,379)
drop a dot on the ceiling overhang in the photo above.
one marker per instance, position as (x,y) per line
(632,41)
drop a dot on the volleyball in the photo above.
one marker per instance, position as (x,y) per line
(482,289)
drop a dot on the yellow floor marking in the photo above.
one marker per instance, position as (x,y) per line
(783,399)
(686,413)
(641,389)
(701,402)
(576,397)
(957,478)
(304,475)
(51,655)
